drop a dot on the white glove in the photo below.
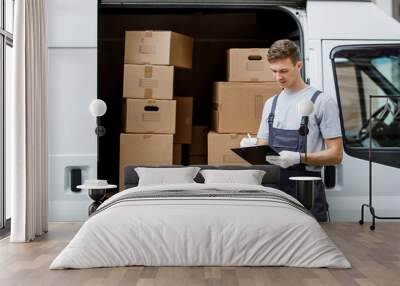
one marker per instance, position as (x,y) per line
(248,141)
(285,159)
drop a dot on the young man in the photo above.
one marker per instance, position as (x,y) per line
(281,121)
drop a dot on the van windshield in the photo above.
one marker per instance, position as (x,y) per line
(389,67)
(368,81)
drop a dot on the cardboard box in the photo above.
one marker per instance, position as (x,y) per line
(177,154)
(184,114)
(144,149)
(238,106)
(151,82)
(197,160)
(198,147)
(219,146)
(158,48)
(249,65)
(149,116)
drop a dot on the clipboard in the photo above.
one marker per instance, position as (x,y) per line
(255,155)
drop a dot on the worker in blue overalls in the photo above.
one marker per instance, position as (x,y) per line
(281,120)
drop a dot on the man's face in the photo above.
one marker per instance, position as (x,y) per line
(285,72)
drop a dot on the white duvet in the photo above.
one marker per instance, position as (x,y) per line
(200,231)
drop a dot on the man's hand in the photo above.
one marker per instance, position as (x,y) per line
(285,159)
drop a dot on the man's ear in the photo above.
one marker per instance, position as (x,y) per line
(299,65)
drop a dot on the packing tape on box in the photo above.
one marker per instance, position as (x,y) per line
(147,136)
(148,93)
(148,71)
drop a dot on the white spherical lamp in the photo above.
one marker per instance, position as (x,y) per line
(97,108)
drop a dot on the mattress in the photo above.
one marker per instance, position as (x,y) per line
(201,225)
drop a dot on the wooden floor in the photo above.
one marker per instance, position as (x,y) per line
(375,257)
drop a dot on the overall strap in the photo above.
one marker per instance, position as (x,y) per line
(272,113)
(315,96)
(313,99)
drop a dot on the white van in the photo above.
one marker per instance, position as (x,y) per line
(350,49)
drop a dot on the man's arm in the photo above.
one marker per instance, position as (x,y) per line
(262,141)
(332,155)
(263,130)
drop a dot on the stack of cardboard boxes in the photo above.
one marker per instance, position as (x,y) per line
(238,103)
(154,122)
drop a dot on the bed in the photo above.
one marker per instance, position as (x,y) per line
(201,224)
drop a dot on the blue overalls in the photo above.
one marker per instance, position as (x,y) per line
(290,140)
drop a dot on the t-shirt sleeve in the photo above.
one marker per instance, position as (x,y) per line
(263,129)
(329,119)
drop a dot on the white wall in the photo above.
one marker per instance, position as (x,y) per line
(72,44)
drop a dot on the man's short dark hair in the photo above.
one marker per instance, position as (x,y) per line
(283,49)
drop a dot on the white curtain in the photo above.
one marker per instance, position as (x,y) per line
(27,150)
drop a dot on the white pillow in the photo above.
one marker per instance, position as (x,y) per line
(248,177)
(162,176)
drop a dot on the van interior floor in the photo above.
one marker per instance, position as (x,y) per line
(374,255)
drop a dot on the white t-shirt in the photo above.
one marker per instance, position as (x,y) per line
(326,113)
